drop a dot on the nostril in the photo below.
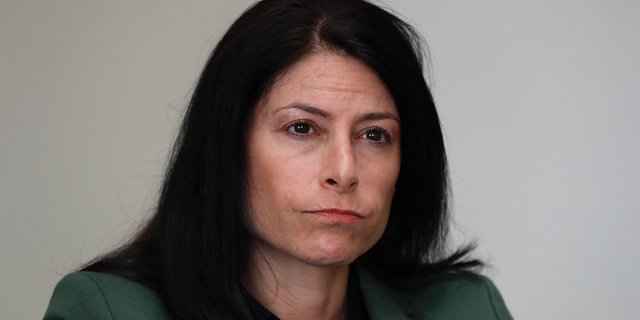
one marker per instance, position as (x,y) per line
(331,181)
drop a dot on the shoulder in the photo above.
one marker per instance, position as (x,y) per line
(93,295)
(441,296)
(459,296)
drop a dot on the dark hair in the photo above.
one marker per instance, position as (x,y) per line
(194,249)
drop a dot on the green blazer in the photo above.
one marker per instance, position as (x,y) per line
(92,295)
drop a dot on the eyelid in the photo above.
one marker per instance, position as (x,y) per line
(310,123)
(385,133)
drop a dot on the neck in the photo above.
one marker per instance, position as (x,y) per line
(291,289)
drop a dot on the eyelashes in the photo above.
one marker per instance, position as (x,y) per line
(301,128)
(376,135)
(304,129)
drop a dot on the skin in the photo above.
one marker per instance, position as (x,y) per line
(325,138)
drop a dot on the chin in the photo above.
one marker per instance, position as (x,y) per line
(332,253)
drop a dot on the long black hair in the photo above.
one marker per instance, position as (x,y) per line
(194,249)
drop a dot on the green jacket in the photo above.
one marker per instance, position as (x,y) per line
(91,295)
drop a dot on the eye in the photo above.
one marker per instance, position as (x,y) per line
(376,135)
(302,128)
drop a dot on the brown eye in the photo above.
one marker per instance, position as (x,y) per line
(301,128)
(374,135)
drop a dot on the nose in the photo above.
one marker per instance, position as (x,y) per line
(340,172)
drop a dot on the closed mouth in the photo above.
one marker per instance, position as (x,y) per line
(337,215)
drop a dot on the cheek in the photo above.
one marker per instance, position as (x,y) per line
(378,175)
(277,179)
(380,183)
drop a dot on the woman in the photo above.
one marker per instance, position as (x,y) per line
(308,181)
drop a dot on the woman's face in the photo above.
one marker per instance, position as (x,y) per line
(323,159)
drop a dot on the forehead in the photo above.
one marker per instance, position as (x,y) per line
(330,80)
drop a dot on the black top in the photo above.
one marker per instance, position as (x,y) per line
(356,310)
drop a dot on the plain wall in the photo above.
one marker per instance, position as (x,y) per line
(538,100)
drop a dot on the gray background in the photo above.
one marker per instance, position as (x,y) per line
(538,99)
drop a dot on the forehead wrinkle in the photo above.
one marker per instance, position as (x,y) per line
(339,85)
(330,89)
(343,83)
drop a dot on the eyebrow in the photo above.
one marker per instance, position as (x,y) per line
(378,116)
(306,108)
(325,114)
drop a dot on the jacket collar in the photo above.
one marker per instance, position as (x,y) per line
(382,301)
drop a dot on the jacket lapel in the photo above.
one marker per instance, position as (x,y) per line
(383,302)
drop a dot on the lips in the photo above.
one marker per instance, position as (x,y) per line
(337,215)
